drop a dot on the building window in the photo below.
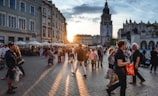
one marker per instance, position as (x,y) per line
(27,38)
(2,19)
(43,20)
(11,39)
(49,22)
(1,2)
(32,10)
(12,4)
(20,39)
(22,24)
(49,12)
(32,26)
(2,38)
(44,11)
(22,7)
(49,32)
(44,32)
(12,22)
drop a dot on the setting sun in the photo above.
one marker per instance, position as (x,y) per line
(70,37)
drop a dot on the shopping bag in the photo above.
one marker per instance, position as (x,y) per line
(18,73)
(130,70)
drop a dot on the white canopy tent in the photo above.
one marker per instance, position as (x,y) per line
(35,43)
(20,43)
(45,44)
(57,44)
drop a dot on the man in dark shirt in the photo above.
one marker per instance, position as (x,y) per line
(11,64)
(154,59)
(136,62)
(120,70)
(80,59)
(100,54)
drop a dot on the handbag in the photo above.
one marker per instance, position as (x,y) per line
(130,70)
(17,75)
(20,60)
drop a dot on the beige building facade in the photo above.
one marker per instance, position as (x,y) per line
(53,24)
(28,20)
(83,39)
(19,20)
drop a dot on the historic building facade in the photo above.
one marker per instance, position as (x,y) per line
(83,39)
(145,34)
(106,26)
(96,40)
(19,20)
(28,20)
(53,24)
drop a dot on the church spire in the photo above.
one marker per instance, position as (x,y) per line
(106,8)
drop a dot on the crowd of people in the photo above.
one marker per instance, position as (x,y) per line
(118,58)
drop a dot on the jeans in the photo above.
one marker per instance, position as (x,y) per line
(121,72)
(138,75)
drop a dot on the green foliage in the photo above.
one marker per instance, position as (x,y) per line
(113,41)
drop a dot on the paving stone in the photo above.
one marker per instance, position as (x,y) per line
(57,80)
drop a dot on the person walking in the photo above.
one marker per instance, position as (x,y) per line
(93,58)
(71,60)
(136,61)
(120,70)
(111,75)
(154,57)
(50,56)
(80,60)
(100,55)
(11,64)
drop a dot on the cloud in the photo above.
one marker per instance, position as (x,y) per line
(92,12)
(132,1)
(96,20)
(85,8)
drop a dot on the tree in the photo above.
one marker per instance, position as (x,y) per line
(113,41)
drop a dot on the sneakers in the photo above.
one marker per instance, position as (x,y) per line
(10,91)
(141,82)
(133,83)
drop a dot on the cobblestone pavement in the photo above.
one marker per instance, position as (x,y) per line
(57,80)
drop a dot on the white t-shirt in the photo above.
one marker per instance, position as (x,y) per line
(4,51)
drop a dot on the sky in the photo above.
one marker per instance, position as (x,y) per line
(84,16)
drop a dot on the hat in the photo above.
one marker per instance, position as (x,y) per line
(10,44)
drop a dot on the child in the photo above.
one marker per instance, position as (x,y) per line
(93,57)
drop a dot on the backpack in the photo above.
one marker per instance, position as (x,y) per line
(142,58)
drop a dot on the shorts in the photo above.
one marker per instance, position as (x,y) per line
(11,74)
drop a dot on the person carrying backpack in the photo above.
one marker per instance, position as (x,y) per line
(136,61)
(80,60)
